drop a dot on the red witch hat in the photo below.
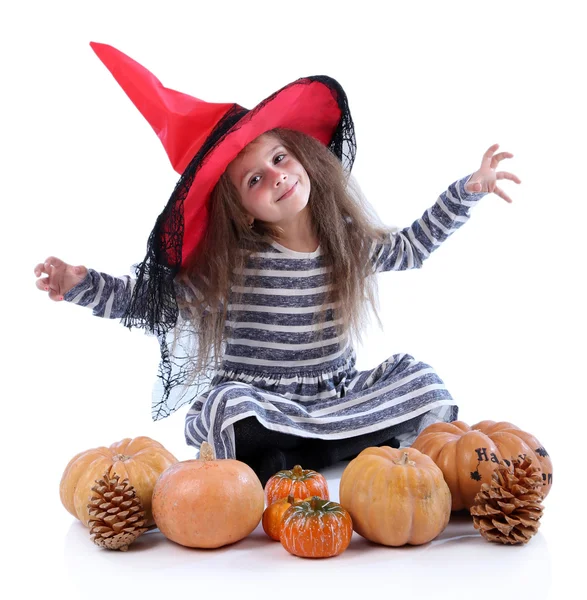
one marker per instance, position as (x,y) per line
(201,139)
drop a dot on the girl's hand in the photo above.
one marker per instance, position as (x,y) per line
(485,179)
(61,277)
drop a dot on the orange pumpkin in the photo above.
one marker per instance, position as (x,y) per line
(140,459)
(395,496)
(296,482)
(316,528)
(273,516)
(208,503)
(468,456)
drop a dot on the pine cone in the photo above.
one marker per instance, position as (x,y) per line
(117,517)
(508,509)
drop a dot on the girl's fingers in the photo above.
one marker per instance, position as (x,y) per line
(488,156)
(506,175)
(40,269)
(498,157)
(502,194)
(54,262)
(47,264)
(55,296)
(43,284)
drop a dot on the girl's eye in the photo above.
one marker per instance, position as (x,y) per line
(256,178)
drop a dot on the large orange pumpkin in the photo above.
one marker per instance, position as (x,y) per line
(139,459)
(208,503)
(468,456)
(395,496)
(297,482)
(316,528)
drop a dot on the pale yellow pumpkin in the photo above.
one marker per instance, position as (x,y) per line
(139,459)
(395,496)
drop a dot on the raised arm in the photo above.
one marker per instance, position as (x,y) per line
(106,295)
(409,247)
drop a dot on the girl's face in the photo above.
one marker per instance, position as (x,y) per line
(272,184)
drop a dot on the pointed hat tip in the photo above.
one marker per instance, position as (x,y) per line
(100,48)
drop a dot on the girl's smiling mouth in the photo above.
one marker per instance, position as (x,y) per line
(289,192)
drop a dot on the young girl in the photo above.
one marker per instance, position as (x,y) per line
(259,274)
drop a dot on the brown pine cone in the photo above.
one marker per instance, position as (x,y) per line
(117,517)
(508,509)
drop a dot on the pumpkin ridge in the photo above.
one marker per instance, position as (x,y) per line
(428,442)
(85,482)
(154,450)
(137,444)
(120,446)
(412,501)
(470,480)
(71,475)
(447,461)
(504,442)
(101,450)
(491,427)
(119,467)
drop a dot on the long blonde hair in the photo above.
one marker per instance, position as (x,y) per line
(345,226)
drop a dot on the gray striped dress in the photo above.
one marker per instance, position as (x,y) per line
(277,368)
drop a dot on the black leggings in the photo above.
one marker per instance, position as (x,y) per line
(267,451)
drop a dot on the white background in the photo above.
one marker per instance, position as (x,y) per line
(496,310)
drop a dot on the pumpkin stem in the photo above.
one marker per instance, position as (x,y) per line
(297,471)
(405,460)
(314,502)
(206,452)
(121,457)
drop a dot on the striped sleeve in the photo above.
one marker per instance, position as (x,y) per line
(109,296)
(410,247)
(106,295)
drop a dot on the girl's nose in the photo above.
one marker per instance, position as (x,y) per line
(280,178)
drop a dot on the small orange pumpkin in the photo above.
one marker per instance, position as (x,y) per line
(139,459)
(273,516)
(296,482)
(468,456)
(395,497)
(316,528)
(207,503)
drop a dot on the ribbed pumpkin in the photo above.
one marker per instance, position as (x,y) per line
(316,528)
(297,482)
(139,459)
(468,456)
(208,503)
(395,496)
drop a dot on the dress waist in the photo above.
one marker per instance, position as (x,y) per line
(343,363)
